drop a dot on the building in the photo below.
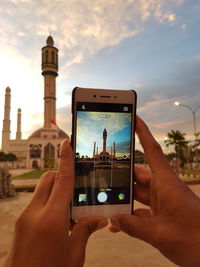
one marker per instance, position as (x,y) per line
(104,156)
(41,149)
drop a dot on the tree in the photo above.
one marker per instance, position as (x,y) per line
(177,139)
(10,157)
(2,156)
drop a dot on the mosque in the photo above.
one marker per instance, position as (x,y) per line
(41,149)
(104,157)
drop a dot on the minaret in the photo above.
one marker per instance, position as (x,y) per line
(6,121)
(114,150)
(19,133)
(94,150)
(104,140)
(50,72)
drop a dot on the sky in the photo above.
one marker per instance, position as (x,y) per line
(152,46)
(92,124)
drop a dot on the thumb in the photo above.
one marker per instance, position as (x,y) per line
(135,226)
(80,235)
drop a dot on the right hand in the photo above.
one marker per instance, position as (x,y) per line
(172,224)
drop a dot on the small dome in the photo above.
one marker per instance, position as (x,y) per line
(104,153)
(37,134)
(19,110)
(50,41)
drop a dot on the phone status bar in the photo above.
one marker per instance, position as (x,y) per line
(104,107)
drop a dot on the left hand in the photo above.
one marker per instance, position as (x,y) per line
(41,236)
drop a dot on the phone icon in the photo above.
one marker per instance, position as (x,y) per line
(82,197)
(83,107)
(121,196)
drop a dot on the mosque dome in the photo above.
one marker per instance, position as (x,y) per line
(104,153)
(50,41)
(37,133)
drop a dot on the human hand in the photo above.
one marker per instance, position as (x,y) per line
(172,224)
(41,236)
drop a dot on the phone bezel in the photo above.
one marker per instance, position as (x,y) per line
(104,96)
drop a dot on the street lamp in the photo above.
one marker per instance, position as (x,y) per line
(176,103)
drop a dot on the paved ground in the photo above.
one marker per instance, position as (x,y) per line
(104,248)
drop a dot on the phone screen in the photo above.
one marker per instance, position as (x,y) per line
(103,153)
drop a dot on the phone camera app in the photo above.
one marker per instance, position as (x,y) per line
(103,156)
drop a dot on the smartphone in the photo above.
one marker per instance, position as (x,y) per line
(103,140)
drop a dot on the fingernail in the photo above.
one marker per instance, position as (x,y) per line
(102,224)
(65,143)
(115,223)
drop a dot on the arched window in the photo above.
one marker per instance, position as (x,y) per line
(46,56)
(49,156)
(35,152)
(49,151)
(42,57)
(52,57)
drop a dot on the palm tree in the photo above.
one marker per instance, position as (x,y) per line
(177,139)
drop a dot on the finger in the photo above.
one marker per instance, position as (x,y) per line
(137,212)
(113,230)
(43,188)
(80,234)
(152,149)
(141,194)
(143,176)
(139,227)
(72,224)
(62,190)
(142,213)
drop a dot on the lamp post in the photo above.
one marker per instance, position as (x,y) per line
(176,103)
(193,115)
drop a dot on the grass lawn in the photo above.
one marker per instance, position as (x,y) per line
(35,174)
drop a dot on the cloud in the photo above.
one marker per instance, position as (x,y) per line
(25,82)
(111,121)
(162,116)
(197,58)
(167,124)
(81,28)
(64,119)
(183,26)
(123,147)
